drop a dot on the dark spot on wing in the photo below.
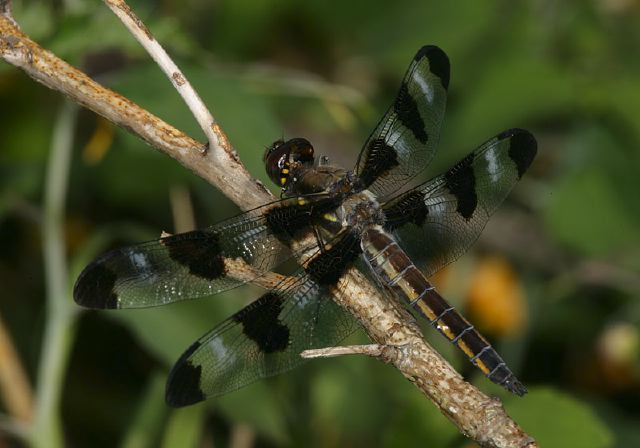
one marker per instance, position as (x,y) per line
(406,108)
(522,149)
(461,182)
(328,266)
(95,286)
(409,208)
(183,384)
(380,159)
(438,62)
(288,221)
(199,251)
(261,323)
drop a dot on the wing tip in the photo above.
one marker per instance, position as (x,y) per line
(95,288)
(183,382)
(438,62)
(523,148)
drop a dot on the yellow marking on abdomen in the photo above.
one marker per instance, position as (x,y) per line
(426,311)
(465,348)
(445,330)
(482,366)
(407,289)
(411,294)
(388,268)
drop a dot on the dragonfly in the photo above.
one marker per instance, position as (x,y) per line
(327,220)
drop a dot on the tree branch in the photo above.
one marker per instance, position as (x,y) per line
(387,323)
(219,166)
(215,135)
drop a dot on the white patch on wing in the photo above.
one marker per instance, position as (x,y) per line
(426,88)
(139,260)
(397,142)
(436,206)
(493,167)
(306,294)
(220,351)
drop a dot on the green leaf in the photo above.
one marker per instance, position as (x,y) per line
(592,207)
(556,419)
(150,416)
(506,94)
(416,418)
(572,219)
(185,427)
(259,406)
(71,44)
(35,18)
(342,398)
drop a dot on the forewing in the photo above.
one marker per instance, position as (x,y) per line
(405,140)
(194,264)
(439,220)
(266,337)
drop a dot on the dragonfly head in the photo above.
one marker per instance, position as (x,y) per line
(284,158)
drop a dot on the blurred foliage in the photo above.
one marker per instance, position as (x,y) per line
(568,237)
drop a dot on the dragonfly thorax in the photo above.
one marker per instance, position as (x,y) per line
(360,211)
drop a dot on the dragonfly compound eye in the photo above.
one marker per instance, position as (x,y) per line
(283,157)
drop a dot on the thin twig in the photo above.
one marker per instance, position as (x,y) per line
(387,323)
(216,137)
(61,315)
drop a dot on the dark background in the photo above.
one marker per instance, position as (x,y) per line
(553,281)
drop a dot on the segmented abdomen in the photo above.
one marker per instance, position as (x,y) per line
(394,268)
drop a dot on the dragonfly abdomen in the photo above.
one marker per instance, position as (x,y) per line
(396,271)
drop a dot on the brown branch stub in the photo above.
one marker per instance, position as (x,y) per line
(387,323)
(373,350)
(240,270)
